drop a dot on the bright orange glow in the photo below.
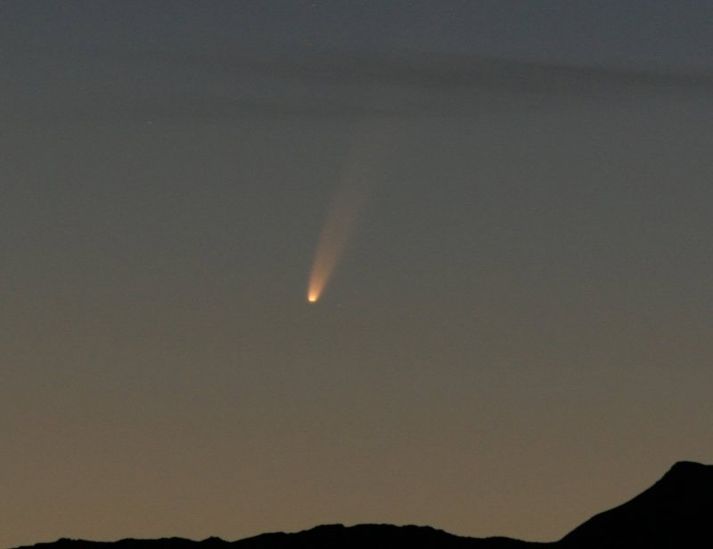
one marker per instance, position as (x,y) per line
(358,177)
(336,231)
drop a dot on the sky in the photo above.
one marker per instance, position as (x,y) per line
(515,336)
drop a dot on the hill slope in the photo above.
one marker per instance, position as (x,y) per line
(677,511)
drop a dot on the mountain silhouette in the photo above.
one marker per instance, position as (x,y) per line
(675,513)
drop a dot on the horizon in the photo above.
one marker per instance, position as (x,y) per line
(270,266)
(676,503)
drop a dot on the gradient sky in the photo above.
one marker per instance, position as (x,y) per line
(517,336)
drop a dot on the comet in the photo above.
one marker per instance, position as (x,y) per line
(371,141)
(338,227)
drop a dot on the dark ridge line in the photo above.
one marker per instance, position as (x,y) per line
(675,512)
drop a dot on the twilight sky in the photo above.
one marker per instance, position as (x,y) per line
(517,336)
